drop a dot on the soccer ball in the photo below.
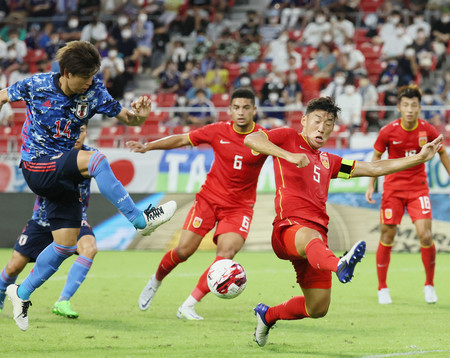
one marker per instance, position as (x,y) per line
(226,278)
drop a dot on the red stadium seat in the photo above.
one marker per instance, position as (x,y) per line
(370,5)
(258,83)
(111,137)
(221,99)
(223,116)
(18,104)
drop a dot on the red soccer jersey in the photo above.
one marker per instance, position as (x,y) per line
(303,192)
(402,143)
(234,174)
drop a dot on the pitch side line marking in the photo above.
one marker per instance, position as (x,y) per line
(406,353)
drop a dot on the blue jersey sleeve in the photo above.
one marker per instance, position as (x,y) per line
(105,103)
(21,90)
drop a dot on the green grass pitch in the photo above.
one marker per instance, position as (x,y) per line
(111,324)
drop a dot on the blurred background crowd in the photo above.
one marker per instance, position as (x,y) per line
(189,55)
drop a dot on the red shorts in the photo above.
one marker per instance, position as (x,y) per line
(394,203)
(203,216)
(283,244)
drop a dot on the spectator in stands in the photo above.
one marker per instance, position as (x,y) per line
(248,50)
(326,62)
(143,31)
(33,35)
(184,24)
(407,67)
(387,83)
(4,10)
(351,106)
(293,91)
(201,47)
(217,78)
(276,52)
(15,20)
(21,73)
(201,117)
(19,45)
(395,45)
(272,118)
(72,31)
(291,12)
(94,31)
(3,79)
(342,28)
(169,78)
(432,116)
(440,35)
(423,48)
(261,72)
(54,44)
(314,30)
(274,83)
(418,23)
(160,40)
(369,96)
(226,47)
(114,76)
(126,44)
(443,87)
(199,84)
(209,61)
(47,31)
(202,11)
(244,78)
(89,7)
(389,27)
(335,87)
(41,8)
(3,49)
(271,30)
(250,28)
(217,26)
(352,59)
(116,29)
(179,54)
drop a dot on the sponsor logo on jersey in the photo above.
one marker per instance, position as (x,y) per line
(197,222)
(396,142)
(324,160)
(47,104)
(23,239)
(388,213)
(224,142)
(422,139)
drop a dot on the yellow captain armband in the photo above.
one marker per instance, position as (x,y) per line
(346,169)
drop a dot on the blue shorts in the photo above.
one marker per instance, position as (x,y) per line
(35,238)
(56,178)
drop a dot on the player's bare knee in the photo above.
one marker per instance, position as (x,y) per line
(14,268)
(88,251)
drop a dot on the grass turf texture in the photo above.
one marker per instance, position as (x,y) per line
(111,324)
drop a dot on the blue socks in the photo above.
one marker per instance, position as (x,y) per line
(5,281)
(47,263)
(76,276)
(113,190)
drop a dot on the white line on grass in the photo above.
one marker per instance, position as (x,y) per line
(406,353)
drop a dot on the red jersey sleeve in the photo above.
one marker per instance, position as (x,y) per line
(205,134)
(382,141)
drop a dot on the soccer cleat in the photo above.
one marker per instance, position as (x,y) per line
(20,307)
(62,308)
(188,312)
(430,294)
(384,298)
(348,262)
(147,294)
(156,216)
(262,327)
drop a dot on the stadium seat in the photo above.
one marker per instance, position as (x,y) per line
(369,50)
(223,116)
(111,137)
(258,83)
(295,34)
(32,57)
(158,116)
(19,118)
(370,5)
(166,99)
(221,99)
(18,104)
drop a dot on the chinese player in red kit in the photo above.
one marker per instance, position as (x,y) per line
(226,198)
(302,176)
(407,189)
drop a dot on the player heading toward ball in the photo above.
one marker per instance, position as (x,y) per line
(302,176)
(58,104)
(406,190)
(226,198)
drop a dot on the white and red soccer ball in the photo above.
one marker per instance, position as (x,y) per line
(226,278)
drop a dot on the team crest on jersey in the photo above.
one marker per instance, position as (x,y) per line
(422,139)
(23,239)
(324,160)
(388,213)
(82,109)
(197,222)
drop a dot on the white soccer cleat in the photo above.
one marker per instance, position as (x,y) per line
(430,294)
(188,312)
(147,294)
(262,327)
(384,298)
(20,307)
(156,216)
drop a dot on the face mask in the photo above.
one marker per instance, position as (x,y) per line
(102,45)
(409,52)
(350,89)
(122,20)
(112,53)
(73,23)
(320,19)
(283,38)
(245,81)
(126,34)
(142,17)
(273,97)
(12,54)
(327,38)
(428,99)
(182,101)
(394,20)
(339,80)
(445,19)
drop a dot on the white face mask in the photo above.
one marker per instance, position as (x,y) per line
(350,89)
(112,53)
(320,19)
(339,80)
(428,99)
(445,19)
(182,101)
(122,20)
(245,81)
(142,17)
(410,52)
(327,38)
(126,34)
(394,20)
(273,97)
(73,23)
(12,54)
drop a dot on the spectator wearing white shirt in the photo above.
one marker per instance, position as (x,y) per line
(342,28)
(217,26)
(350,103)
(113,70)
(314,30)
(388,28)
(369,95)
(351,59)
(94,31)
(396,44)
(418,23)
(335,87)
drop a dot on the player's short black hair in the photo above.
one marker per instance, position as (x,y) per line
(323,104)
(79,58)
(243,93)
(410,91)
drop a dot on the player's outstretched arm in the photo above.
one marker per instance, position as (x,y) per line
(259,142)
(389,166)
(170,142)
(140,110)
(371,187)
(3,97)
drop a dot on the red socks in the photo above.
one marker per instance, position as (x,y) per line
(383,258)
(292,309)
(320,256)
(169,261)
(429,261)
(202,288)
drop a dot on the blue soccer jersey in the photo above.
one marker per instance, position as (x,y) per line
(53,119)
(40,213)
